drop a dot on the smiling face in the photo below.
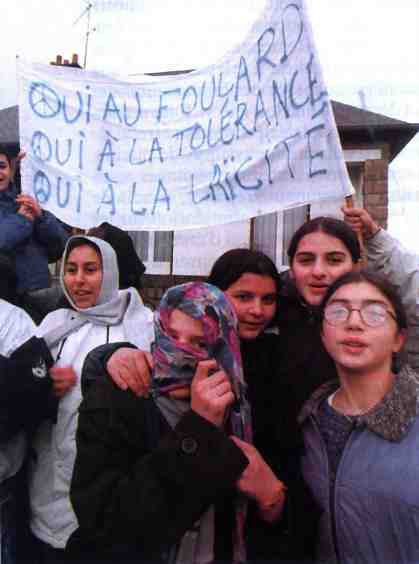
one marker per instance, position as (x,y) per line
(319,260)
(83,276)
(254,299)
(5,173)
(353,345)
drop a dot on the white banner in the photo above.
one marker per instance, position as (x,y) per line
(249,135)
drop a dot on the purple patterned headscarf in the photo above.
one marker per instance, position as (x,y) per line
(175,363)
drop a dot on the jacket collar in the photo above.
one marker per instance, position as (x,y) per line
(391,419)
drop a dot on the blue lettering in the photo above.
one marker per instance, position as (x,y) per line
(224,127)
(141,211)
(131,154)
(137,117)
(89,105)
(108,192)
(209,106)
(155,148)
(268,164)
(289,49)
(197,129)
(216,182)
(260,110)
(296,105)
(110,108)
(210,142)
(237,178)
(164,106)
(262,58)
(164,197)
(243,72)
(81,146)
(241,110)
(63,161)
(227,92)
(63,202)
(288,151)
(43,100)
(41,187)
(107,152)
(41,146)
(194,100)
(278,99)
(181,134)
(78,112)
(313,156)
(201,188)
(312,81)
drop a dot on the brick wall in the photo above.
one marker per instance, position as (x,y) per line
(154,286)
(375,190)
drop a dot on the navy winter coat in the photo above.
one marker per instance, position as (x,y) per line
(32,244)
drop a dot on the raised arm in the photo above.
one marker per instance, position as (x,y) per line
(388,257)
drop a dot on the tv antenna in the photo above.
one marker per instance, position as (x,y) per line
(86,12)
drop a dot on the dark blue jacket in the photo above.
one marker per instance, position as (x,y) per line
(32,244)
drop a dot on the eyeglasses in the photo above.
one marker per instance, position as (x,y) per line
(372,315)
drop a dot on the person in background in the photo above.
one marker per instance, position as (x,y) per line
(28,394)
(130,267)
(177,470)
(387,257)
(30,237)
(361,432)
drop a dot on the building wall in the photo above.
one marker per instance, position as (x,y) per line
(375,190)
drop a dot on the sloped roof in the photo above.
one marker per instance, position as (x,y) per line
(356,125)
(9,125)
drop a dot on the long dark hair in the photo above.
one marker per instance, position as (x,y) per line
(230,266)
(330,226)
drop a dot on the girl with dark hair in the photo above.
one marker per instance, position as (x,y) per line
(361,432)
(320,251)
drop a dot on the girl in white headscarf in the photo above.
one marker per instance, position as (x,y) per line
(99,313)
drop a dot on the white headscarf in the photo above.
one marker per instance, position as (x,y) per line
(113,305)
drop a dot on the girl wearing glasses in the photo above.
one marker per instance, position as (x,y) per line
(361,431)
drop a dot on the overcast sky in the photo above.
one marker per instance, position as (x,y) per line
(364,45)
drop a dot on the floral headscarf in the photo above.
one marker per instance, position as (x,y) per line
(175,363)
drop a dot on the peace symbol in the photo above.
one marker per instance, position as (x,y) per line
(41,146)
(43,100)
(41,187)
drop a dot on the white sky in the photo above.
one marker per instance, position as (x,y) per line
(368,45)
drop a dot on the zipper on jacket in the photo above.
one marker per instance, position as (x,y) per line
(332,491)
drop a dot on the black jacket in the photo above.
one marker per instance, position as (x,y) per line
(305,365)
(279,440)
(138,486)
(25,388)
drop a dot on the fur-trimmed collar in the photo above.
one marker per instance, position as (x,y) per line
(391,419)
